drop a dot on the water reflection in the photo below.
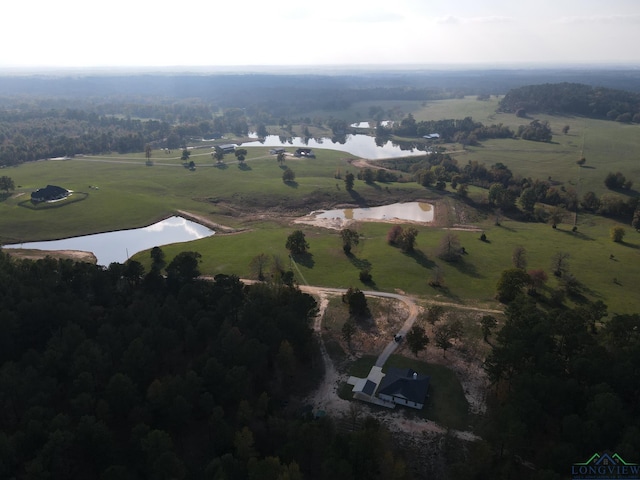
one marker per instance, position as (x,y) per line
(362,146)
(118,246)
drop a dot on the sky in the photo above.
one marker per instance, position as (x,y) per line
(148,33)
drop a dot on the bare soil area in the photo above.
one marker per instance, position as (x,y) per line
(31,254)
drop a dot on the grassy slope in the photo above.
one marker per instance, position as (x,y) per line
(131,194)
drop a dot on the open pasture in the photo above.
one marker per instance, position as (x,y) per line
(122,192)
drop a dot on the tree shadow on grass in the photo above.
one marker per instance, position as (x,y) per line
(4,196)
(635,246)
(304,259)
(243,166)
(292,184)
(221,166)
(361,201)
(421,259)
(446,291)
(576,234)
(467,268)
(361,263)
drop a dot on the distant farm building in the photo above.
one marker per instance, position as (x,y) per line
(432,136)
(49,193)
(226,148)
(304,152)
(276,151)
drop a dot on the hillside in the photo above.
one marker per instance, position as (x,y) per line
(573,99)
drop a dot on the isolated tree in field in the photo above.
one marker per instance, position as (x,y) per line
(6,184)
(417,339)
(288,176)
(617,181)
(519,258)
(537,279)
(556,216)
(218,155)
(407,240)
(581,161)
(449,248)
(487,323)
(241,154)
(617,234)
(560,263)
(434,313)
(348,331)
(442,337)
(350,238)
(296,243)
(258,266)
(281,158)
(565,129)
(393,235)
(185,155)
(147,153)
(511,283)
(349,181)
(437,277)
(357,302)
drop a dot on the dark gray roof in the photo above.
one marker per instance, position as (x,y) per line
(401,382)
(50,192)
(369,387)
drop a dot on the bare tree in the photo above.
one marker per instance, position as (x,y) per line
(519,257)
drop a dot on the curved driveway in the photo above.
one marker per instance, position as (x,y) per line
(392,345)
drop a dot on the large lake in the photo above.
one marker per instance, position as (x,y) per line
(362,146)
(119,246)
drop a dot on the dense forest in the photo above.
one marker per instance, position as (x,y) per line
(573,99)
(117,373)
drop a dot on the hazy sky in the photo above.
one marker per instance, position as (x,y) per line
(297,32)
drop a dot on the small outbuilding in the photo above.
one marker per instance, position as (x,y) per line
(49,193)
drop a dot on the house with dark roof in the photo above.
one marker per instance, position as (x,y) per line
(404,386)
(49,193)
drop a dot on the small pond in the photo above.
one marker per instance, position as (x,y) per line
(411,211)
(362,146)
(119,246)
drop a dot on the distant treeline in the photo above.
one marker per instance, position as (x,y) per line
(573,99)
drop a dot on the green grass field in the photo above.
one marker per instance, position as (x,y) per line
(130,194)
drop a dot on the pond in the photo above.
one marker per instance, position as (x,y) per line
(362,146)
(338,218)
(119,246)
